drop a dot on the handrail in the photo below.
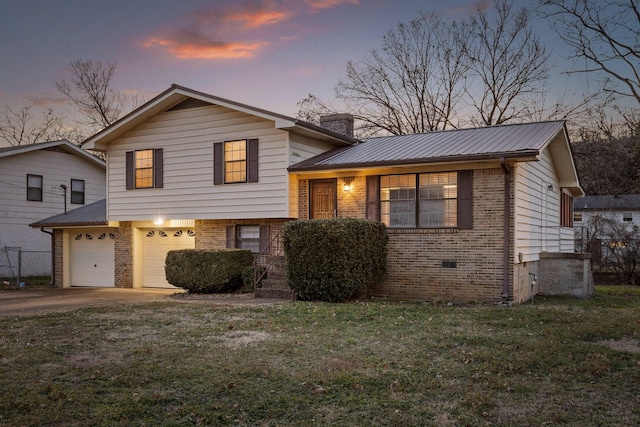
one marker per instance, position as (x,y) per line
(264,256)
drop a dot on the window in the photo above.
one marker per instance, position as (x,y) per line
(34,188)
(249,237)
(577,217)
(144,169)
(627,217)
(427,200)
(255,238)
(235,161)
(566,210)
(77,191)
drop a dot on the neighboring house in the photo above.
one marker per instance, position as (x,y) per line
(624,209)
(40,180)
(471,214)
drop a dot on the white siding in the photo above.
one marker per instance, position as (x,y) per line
(537,211)
(16,213)
(187,137)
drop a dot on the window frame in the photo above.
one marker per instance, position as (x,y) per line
(416,200)
(249,243)
(143,164)
(627,216)
(242,162)
(79,194)
(566,210)
(37,191)
(156,169)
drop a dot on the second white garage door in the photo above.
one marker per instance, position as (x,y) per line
(155,245)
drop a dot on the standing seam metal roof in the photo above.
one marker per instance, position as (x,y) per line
(491,141)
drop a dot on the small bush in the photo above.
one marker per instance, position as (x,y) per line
(334,260)
(206,271)
(248,276)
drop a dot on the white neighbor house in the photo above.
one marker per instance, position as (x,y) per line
(33,179)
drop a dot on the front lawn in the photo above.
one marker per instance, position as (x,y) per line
(557,362)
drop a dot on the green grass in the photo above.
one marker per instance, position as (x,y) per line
(557,362)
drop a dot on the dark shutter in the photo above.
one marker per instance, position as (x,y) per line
(129,171)
(158,180)
(265,238)
(252,160)
(373,192)
(465,199)
(218,164)
(231,236)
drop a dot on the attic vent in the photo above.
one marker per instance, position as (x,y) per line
(189,103)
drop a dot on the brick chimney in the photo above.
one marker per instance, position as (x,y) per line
(338,123)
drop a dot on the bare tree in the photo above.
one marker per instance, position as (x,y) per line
(509,61)
(605,34)
(21,127)
(413,83)
(90,90)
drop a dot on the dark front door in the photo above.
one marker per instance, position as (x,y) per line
(323,199)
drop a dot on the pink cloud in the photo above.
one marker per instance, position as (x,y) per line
(188,44)
(316,5)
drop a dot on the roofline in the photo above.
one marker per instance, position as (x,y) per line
(528,155)
(37,224)
(281,121)
(21,149)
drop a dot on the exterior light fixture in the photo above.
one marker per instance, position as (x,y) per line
(158,221)
(347,183)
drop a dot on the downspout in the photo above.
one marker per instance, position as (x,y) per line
(506,233)
(53,256)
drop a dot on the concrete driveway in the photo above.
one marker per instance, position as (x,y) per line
(46,300)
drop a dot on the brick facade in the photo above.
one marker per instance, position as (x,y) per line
(440,264)
(212,234)
(123,266)
(58,260)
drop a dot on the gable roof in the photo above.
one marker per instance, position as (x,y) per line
(61,145)
(608,202)
(177,94)
(88,215)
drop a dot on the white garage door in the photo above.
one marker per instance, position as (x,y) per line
(91,257)
(155,245)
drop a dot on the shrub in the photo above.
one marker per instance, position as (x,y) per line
(206,271)
(334,260)
(248,276)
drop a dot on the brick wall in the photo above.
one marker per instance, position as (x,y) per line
(58,261)
(212,234)
(415,256)
(123,266)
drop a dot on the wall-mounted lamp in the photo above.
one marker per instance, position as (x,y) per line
(550,187)
(347,180)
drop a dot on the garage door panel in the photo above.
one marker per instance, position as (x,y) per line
(92,258)
(156,244)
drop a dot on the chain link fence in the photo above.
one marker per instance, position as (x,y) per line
(16,263)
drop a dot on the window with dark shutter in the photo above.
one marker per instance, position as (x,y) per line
(231,237)
(265,239)
(144,169)
(252,160)
(235,161)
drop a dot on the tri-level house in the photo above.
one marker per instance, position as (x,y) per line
(472,215)
(38,181)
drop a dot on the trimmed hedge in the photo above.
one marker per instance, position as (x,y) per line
(334,260)
(206,271)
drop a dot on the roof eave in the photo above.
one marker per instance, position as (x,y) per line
(525,156)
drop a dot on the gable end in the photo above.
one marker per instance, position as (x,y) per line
(190,103)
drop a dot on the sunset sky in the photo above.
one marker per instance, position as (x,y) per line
(266,53)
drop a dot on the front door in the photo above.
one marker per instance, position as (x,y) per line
(323,199)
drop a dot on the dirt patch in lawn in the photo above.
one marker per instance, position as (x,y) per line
(629,345)
(236,339)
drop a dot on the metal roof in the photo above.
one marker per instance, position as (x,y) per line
(89,215)
(608,202)
(517,140)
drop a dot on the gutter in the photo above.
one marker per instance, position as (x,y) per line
(506,229)
(53,256)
